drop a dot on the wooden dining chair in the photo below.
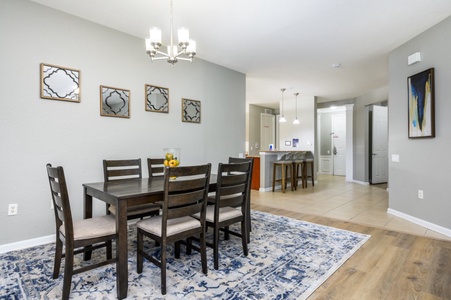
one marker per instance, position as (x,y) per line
(126,169)
(155,167)
(229,204)
(234,160)
(183,197)
(77,236)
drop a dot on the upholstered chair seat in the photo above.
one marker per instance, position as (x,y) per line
(92,228)
(174,226)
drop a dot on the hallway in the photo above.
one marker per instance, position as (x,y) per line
(334,198)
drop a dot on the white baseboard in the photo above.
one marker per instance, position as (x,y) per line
(360,182)
(27,243)
(428,225)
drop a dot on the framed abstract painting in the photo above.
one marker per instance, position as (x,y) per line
(421,104)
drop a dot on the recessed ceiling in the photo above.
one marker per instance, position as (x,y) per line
(284,43)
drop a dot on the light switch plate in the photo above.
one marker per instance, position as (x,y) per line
(395,157)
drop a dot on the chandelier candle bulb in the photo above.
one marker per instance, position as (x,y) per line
(183,34)
(191,49)
(155,37)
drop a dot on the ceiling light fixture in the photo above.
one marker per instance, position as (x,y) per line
(282,119)
(188,47)
(296,121)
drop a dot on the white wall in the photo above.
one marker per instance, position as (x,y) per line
(305,131)
(35,131)
(424,163)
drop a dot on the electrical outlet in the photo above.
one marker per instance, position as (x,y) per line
(420,194)
(12,209)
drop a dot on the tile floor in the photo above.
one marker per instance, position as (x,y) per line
(333,197)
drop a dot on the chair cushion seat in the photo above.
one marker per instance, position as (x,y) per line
(93,227)
(137,209)
(225,213)
(153,225)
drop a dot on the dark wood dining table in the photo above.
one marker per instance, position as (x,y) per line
(124,193)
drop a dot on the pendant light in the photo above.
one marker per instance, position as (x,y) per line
(282,119)
(296,121)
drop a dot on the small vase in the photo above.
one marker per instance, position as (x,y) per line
(172,158)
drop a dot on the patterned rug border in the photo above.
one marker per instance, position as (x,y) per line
(270,271)
(339,263)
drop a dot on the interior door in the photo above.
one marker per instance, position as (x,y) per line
(379,149)
(268,127)
(339,144)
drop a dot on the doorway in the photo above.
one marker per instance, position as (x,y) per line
(335,129)
(267,131)
(338,136)
(378,144)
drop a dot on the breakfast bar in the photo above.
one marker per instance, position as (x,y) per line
(267,159)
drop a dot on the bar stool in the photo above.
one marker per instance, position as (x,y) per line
(298,162)
(307,162)
(286,163)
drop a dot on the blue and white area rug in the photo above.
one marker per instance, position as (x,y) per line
(288,259)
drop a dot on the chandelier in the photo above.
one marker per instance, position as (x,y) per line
(187,47)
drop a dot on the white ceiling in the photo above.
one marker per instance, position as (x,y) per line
(281,43)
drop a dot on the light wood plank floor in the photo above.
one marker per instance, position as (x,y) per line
(400,261)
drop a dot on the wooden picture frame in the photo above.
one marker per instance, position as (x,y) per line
(60,83)
(421,104)
(114,102)
(191,111)
(156,98)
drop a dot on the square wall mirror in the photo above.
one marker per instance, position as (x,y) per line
(60,83)
(190,111)
(157,98)
(114,102)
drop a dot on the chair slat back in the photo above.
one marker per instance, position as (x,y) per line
(60,198)
(187,193)
(121,169)
(235,160)
(155,167)
(232,184)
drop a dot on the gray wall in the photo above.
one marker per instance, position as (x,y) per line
(35,131)
(424,163)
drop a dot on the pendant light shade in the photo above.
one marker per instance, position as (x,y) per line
(282,119)
(296,121)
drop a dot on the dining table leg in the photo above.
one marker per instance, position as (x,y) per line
(87,214)
(122,250)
